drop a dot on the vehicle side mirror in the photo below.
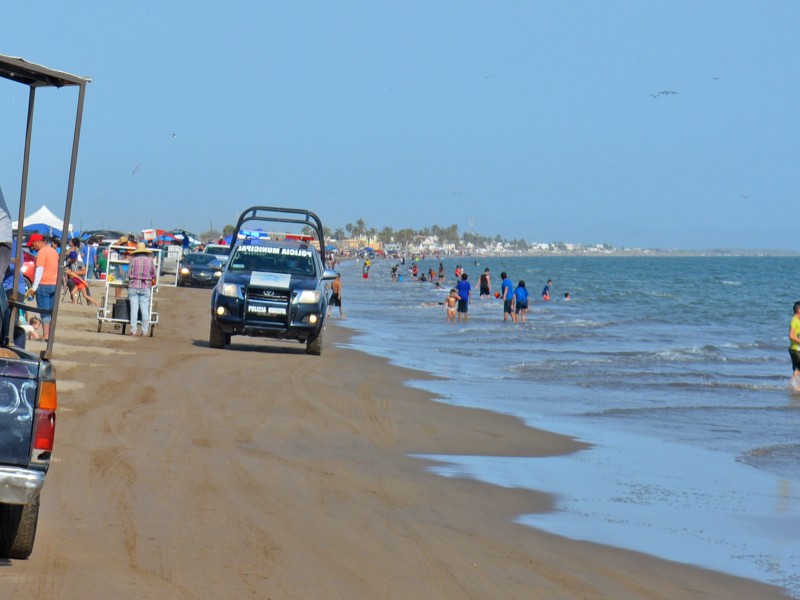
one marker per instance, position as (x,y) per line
(329,275)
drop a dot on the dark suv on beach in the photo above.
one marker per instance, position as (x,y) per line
(273,286)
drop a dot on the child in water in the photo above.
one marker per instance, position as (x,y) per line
(521,301)
(450,304)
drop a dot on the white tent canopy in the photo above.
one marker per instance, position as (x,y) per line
(43,216)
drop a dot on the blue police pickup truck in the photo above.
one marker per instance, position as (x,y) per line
(273,285)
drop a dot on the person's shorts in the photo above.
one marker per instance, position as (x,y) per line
(521,306)
(795,355)
(463,306)
(507,306)
(335,300)
(45,298)
(485,291)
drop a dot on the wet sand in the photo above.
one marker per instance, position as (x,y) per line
(183,472)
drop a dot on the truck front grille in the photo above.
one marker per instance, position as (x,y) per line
(267,306)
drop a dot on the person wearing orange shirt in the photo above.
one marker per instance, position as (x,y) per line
(44,279)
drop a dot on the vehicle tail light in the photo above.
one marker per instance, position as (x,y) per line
(44,433)
(48,397)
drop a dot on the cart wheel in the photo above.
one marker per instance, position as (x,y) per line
(99,325)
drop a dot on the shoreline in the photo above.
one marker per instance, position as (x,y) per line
(261,472)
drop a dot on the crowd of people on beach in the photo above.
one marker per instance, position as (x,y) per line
(83,260)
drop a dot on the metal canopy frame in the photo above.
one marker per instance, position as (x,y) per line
(36,76)
(310,219)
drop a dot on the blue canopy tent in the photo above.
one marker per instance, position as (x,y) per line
(42,229)
(43,221)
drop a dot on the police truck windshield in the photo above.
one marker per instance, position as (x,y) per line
(271,259)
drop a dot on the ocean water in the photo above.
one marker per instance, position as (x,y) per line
(675,369)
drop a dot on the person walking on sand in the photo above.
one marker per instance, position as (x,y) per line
(141,279)
(450,304)
(336,296)
(507,294)
(44,279)
(794,344)
(464,294)
(485,284)
(521,301)
(546,290)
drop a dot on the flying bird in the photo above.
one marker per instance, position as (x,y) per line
(136,168)
(663,93)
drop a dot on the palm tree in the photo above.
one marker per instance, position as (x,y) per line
(385,235)
(360,229)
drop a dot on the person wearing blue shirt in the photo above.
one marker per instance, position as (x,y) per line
(507,294)
(521,301)
(464,293)
(546,290)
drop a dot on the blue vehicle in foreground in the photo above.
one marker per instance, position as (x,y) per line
(273,287)
(28,393)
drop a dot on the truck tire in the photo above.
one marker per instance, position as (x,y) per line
(18,529)
(216,339)
(314,344)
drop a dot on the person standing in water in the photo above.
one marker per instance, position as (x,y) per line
(507,294)
(794,344)
(521,301)
(546,290)
(464,293)
(336,296)
(485,284)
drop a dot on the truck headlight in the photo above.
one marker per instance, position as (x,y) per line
(184,271)
(229,289)
(308,297)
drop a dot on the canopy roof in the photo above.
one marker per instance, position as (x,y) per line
(31,74)
(43,216)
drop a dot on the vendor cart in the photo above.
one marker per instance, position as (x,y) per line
(115,307)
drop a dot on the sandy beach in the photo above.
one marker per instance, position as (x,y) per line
(183,472)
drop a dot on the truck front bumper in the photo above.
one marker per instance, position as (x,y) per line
(19,486)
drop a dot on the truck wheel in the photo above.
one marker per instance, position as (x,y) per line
(18,529)
(314,344)
(216,339)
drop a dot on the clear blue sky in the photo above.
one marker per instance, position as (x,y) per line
(527,119)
